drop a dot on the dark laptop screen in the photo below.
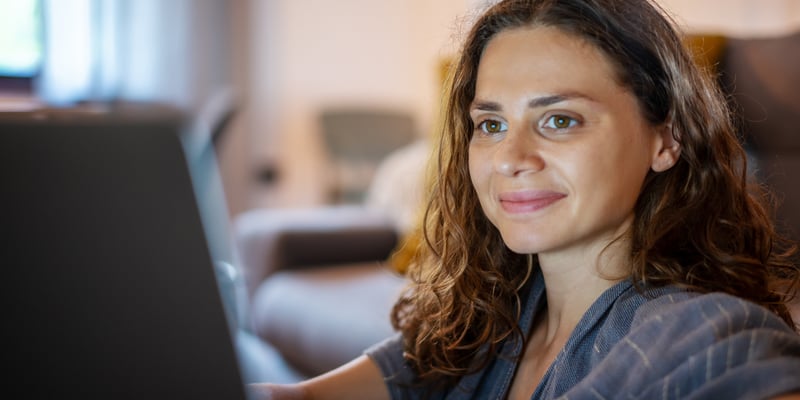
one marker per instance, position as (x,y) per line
(108,286)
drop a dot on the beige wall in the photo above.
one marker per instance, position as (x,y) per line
(310,54)
(300,55)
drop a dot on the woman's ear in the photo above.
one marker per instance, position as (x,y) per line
(668,149)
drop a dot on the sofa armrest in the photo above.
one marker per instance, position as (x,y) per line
(271,239)
(321,318)
(303,248)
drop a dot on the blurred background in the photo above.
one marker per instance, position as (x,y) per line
(311,106)
(285,64)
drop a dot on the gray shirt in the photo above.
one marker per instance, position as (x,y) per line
(667,344)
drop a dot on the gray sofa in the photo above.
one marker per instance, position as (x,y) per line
(320,291)
(318,281)
(319,287)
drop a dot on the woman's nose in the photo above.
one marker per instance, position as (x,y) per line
(518,153)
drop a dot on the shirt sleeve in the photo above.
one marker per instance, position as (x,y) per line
(397,374)
(699,347)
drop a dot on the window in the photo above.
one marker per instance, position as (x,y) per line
(21,44)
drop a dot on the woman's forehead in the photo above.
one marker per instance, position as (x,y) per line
(544,60)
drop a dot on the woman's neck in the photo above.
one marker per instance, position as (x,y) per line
(574,280)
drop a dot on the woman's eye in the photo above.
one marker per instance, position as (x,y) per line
(492,126)
(560,122)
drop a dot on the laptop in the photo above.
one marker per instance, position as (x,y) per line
(109,289)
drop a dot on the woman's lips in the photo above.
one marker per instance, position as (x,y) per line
(528,201)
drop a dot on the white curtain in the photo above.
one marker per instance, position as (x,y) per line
(66,74)
(142,50)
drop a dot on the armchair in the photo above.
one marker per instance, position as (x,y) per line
(320,291)
(318,281)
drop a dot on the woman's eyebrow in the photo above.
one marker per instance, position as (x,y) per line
(485,106)
(544,101)
(536,102)
(548,100)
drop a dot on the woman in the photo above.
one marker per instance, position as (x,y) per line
(591,231)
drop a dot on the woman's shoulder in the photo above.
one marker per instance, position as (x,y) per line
(681,328)
(711,345)
(669,320)
(719,312)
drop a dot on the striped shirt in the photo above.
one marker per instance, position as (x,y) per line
(669,344)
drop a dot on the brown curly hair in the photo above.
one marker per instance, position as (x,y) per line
(702,224)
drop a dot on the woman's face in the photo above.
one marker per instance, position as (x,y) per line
(560,150)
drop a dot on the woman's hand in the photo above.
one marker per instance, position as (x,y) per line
(271,391)
(358,379)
